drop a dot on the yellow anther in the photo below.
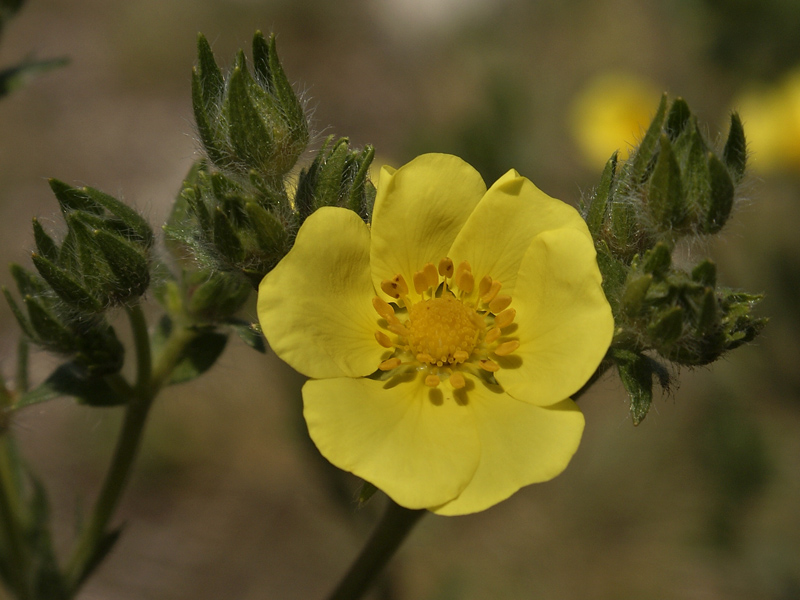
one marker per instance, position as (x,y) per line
(466,282)
(383,308)
(506,348)
(446,268)
(383,339)
(431,274)
(398,328)
(489,365)
(500,303)
(462,267)
(420,282)
(485,285)
(492,335)
(432,380)
(389,364)
(396,287)
(457,380)
(460,355)
(425,358)
(494,289)
(505,318)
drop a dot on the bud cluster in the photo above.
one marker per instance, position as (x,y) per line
(240,214)
(103,261)
(673,186)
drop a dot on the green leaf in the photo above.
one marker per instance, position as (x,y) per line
(68,380)
(127,262)
(198,356)
(636,374)
(250,333)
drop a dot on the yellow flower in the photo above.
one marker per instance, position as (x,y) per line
(772,123)
(611,113)
(444,342)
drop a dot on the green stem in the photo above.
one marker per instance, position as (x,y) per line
(149,381)
(394,526)
(11,529)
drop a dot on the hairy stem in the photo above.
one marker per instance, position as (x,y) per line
(149,381)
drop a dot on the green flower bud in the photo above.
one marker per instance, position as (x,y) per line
(249,122)
(337,177)
(673,185)
(50,323)
(104,258)
(216,297)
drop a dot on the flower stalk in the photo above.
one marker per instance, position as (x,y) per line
(393,528)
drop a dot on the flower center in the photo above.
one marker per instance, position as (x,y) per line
(444,330)
(453,328)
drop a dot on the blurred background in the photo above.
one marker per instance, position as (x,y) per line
(699,502)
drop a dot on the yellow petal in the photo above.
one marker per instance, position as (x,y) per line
(500,229)
(564,322)
(415,443)
(419,209)
(315,307)
(521,444)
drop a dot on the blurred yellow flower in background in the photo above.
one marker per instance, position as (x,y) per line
(771,117)
(443,342)
(610,113)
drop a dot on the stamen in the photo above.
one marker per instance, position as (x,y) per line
(431,274)
(457,380)
(492,335)
(398,328)
(383,339)
(389,364)
(505,318)
(485,285)
(420,282)
(432,380)
(384,309)
(446,268)
(462,267)
(494,289)
(425,358)
(489,365)
(500,303)
(506,348)
(466,282)
(396,287)
(460,356)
